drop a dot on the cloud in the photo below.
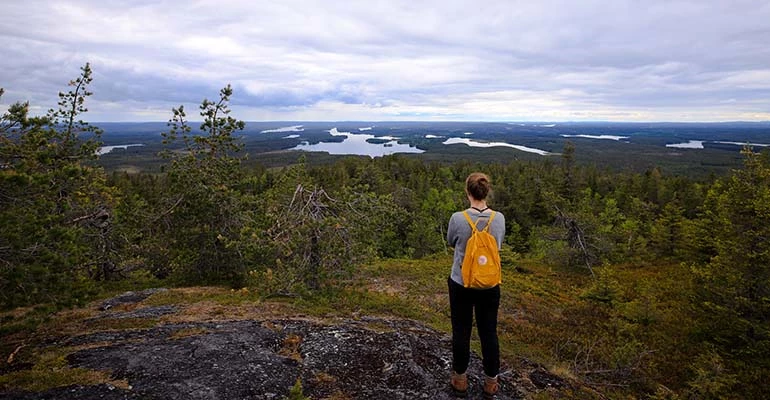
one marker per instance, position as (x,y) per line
(451,59)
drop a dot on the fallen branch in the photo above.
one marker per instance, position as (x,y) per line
(13,355)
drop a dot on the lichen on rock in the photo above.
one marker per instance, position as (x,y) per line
(365,358)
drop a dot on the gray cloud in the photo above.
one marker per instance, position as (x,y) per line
(453,59)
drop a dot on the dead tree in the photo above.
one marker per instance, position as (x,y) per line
(576,238)
(306,228)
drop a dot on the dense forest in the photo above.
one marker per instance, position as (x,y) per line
(70,229)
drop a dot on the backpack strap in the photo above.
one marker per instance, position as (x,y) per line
(470,221)
(489,223)
(474,227)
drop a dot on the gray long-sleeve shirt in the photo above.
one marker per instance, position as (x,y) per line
(459,232)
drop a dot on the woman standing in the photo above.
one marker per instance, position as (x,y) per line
(464,301)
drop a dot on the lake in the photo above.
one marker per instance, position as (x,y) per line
(474,143)
(698,144)
(106,149)
(356,143)
(692,144)
(599,137)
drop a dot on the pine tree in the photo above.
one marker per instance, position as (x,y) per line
(202,212)
(55,208)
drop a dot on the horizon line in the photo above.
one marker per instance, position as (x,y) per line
(455,121)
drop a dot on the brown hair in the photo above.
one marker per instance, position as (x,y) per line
(478,185)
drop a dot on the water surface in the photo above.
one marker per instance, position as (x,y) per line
(692,144)
(473,143)
(600,137)
(106,149)
(356,143)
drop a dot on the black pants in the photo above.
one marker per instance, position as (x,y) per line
(462,302)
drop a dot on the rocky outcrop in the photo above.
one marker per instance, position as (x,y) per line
(129,298)
(362,358)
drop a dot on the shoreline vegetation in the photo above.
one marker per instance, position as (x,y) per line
(639,283)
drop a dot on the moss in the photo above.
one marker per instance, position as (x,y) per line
(188,332)
(24,320)
(219,295)
(37,380)
(121,324)
(295,393)
(290,347)
(51,370)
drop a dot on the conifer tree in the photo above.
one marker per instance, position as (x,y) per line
(55,208)
(734,287)
(202,211)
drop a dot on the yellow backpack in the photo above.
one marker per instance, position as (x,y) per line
(481,265)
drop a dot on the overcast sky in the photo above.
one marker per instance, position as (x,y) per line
(619,60)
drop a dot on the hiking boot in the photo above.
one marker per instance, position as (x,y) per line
(459,383)
(491,387)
